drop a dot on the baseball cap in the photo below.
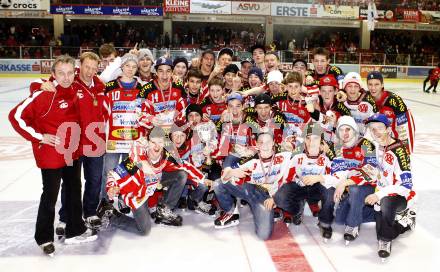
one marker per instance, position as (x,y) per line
(378,117)
(163,61)
(234,95)
(263,99)
(375,75)
(328,80)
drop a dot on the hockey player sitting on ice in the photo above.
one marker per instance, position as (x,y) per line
(259,181)
(394,197)
(39,119)
(307,171)
(137,177)
(122,128)
(180,68)
(193,87)
(271,62)
(328,110)
(354,159)
(266,118)
(392,105)
(93,115)
(229,73)
(433,78)
(360,103)
(236,138)
(162,101)
(214,105)
(322,67)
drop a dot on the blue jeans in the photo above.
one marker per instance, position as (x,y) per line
(92,174)
(352,210)
(263,219)
(140,223)
(290,197)
(111,160)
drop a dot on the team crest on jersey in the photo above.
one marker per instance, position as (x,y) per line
(363,108)
(320,161)
(80,95)
(64,105)
(389,158)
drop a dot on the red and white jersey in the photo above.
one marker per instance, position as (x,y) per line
(167,105)
(362,109)
(231,135)
(297,116)
(136,185)
(303,165)
(213,110)
(395,176)
(434,75)
(122,127)
(270,173)
(44,113)
(400,117)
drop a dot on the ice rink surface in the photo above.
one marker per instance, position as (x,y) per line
(197,246)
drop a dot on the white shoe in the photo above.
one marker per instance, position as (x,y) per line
(87,236)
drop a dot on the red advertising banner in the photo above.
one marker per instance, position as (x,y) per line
(409,15)
(176,6)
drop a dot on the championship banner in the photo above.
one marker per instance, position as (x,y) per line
(106,10)
(430,17)
(176,6)
(332,11)
(251,8)
(409,15)
(294,10)
(20,4)
(210,7)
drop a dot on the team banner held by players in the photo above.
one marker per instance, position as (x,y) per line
(20,4)
(210,7)
(294,10)
(176,6)
(332,11)
(251,8)
(106,10)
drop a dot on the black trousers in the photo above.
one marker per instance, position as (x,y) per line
(387,228)
(71,176)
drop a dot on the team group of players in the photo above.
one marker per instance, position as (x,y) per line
(153,136)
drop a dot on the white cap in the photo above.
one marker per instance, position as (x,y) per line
(352,77)
(275,75)
(347,121)
(145,53)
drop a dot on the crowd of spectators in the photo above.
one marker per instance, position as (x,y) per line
(398,45)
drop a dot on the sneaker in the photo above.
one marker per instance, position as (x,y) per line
(48,248)
(384,249)
(165,216)
(226,220)
(60,229)
(351,233)
(407,218)
(314,208)
(88,236)
(93,222)
(205,208)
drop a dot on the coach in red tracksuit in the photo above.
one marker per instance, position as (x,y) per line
(40,119)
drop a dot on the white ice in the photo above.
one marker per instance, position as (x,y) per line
(197,246)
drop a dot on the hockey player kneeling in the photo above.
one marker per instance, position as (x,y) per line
(394,197)
(259,181)
(135,179)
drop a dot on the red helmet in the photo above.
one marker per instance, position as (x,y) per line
(328,80)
